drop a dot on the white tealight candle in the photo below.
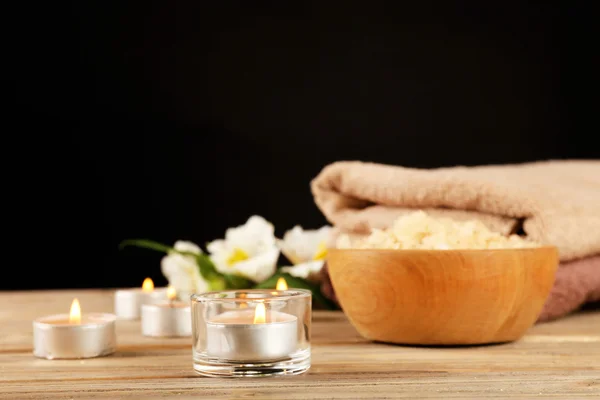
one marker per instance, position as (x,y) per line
(167,319)
(128,302)
(252,332)
(252,335)
(73,335)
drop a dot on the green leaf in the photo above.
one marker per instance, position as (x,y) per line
(209,273)
(215,279)
(299,283)
(217,283)
(152,245)
(146,244)
(237,282)
(207,267)
(218,280)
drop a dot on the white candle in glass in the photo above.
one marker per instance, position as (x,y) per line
(74,335)
(167,319)
(251,334)
(128,302)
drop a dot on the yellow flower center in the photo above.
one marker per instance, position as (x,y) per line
(321,252)
(236,256)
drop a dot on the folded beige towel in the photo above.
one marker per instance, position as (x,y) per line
(551,202)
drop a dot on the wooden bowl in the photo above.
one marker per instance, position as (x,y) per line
(442,297)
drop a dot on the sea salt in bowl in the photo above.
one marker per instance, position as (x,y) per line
(442,297)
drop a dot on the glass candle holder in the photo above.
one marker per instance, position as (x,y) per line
(251,332)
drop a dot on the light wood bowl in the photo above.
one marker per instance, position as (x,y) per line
(442,297)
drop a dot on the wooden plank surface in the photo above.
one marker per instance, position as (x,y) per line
(559,359)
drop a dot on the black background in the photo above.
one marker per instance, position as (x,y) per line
(175,120)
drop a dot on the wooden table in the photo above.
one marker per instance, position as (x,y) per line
(560,359)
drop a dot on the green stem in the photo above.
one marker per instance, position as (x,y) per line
(152,245)
(205,265)
(146,244)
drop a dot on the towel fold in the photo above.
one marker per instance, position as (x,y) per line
(551,202)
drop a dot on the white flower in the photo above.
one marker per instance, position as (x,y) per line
(182,271)
(308,270)
(249,250)
(306,249)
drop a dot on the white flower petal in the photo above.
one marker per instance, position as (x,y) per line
(200,284)
(257,268)
(255,236)
(299,245)
(217,246)
(183,272)
(189,247)
(220,262)
(248,250)
(309,270)
(177,270)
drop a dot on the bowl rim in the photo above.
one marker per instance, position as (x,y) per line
(518,249)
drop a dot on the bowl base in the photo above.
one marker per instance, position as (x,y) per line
(443,345)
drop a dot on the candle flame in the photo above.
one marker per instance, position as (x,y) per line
(281,284)
(75,314)
(148,285)
(171,293)
(260,314)
(244,304)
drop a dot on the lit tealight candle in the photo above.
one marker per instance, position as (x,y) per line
(252,334)
(167,319)
(128,302)
(75,335)
(281,285)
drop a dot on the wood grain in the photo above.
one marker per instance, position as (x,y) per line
(559,359)
(442,297)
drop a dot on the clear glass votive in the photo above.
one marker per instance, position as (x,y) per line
(251,332)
